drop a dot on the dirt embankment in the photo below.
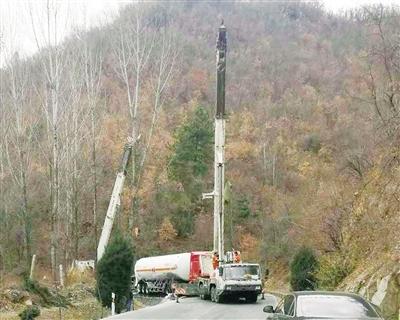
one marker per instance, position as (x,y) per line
(77,301)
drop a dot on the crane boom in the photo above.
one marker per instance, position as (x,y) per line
(114,202)
(219,146)
(219,173)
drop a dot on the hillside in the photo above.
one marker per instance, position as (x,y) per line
(312,138)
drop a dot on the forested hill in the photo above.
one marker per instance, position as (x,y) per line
(313,151)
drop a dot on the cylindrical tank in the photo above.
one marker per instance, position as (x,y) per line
(172,266)
(184,267)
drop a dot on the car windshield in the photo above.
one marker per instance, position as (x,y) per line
(241,272)
(333,306)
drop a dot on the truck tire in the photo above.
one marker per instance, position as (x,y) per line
(252,298)
(167,288)
(202,293)
(213,294)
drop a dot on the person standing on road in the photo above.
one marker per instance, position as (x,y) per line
(129,302)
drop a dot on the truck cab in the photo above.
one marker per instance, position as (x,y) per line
(233,280)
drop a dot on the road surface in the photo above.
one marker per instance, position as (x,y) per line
(194,308)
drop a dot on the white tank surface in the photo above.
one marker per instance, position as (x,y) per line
(172,266)
(180,267)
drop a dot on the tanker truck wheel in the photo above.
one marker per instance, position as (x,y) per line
(167,288)
(202,294)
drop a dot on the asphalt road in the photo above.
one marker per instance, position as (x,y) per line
(194,308)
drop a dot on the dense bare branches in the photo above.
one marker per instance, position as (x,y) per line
(163,68)
(383,72)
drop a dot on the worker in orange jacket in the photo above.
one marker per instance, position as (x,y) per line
(215,260)
(236,256)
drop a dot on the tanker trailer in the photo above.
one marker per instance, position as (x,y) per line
(160,274)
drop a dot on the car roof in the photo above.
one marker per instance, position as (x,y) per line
(336,293)
(327,293)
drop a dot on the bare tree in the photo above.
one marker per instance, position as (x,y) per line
(164,67)
(92,62)
(53,66)
(84,112)
(74,135)
(383,65)
(18,144)
(4,214)
(133,49)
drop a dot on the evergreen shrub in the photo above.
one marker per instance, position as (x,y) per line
(113,272)
(302,270)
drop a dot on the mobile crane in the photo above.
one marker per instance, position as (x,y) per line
(232,278)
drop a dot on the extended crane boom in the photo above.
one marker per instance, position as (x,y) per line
(219,146)
(114,201)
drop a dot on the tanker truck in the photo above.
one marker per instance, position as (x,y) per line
(161,274)
(192,274)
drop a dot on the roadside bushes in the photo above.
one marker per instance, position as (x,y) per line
(303,269)
(333,268)
(29,313)
(113,272)
(326,273)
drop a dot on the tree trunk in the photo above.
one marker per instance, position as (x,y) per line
(274,169)
(54,208)
(3,207)
(94,175)
(264,163)
(75,200)
(25,214)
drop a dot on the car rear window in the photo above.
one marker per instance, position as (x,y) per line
(333,306)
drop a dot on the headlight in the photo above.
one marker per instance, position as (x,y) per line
(228,288)
(258,287)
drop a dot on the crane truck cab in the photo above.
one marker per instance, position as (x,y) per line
(232,280)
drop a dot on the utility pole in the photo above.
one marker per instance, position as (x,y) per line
(219,146)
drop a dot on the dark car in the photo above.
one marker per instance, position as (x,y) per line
(322,305)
